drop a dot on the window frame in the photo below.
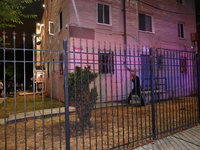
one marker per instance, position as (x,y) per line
(152,24)
(181,31)
(51,28)
(106,62)
(110,16)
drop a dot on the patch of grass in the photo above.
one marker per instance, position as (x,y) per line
(26,104)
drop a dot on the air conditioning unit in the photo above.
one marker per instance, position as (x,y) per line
(51,28)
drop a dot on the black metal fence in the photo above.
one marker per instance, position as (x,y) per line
(76,98)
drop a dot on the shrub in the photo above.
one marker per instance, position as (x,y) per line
(81,94)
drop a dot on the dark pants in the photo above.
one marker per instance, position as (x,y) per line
(136,92)
(8,91)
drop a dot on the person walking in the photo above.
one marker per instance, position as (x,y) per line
(1,88)
(136,89)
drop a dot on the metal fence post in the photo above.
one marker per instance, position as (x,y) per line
(67,122)
(152,93)
(198,84)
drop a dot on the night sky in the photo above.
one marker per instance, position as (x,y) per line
(28,27)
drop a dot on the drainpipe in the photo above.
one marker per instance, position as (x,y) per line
(124,17)
(125,36)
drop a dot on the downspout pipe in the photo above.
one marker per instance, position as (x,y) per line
(125,37)
(124,20)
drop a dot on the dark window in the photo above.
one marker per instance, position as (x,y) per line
(145,22)
(60,20)
(160,62)
(48,69)
(103,14)
(61,64)
(106,63)
(179,1)
(180,30)
(183,65)
(53,66)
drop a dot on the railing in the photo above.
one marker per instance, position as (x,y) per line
(95,115)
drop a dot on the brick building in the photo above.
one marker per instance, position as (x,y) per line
(144,23)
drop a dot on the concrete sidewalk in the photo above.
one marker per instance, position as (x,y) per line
(35,114)
(186,140)
(44,113)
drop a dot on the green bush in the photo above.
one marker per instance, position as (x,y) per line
(81,94)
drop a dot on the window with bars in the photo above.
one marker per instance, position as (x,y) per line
(160,62)
(183,65)
(145,22)
(106,62)
(103,11)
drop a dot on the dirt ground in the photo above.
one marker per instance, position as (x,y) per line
(126,126)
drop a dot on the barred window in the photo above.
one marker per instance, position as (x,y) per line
(106,62)
(183,65)
(160,61)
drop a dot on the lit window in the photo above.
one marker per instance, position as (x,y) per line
(145,22)
(180,30)
(106,62)
(103,14)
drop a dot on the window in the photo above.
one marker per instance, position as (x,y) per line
(180,30)
(60,21)
(160,62)
(183,65)
(53,66)
(145,22)
(180,1)
(51,28)
(106,62)
(48,69)
(61,64)
(103,13)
